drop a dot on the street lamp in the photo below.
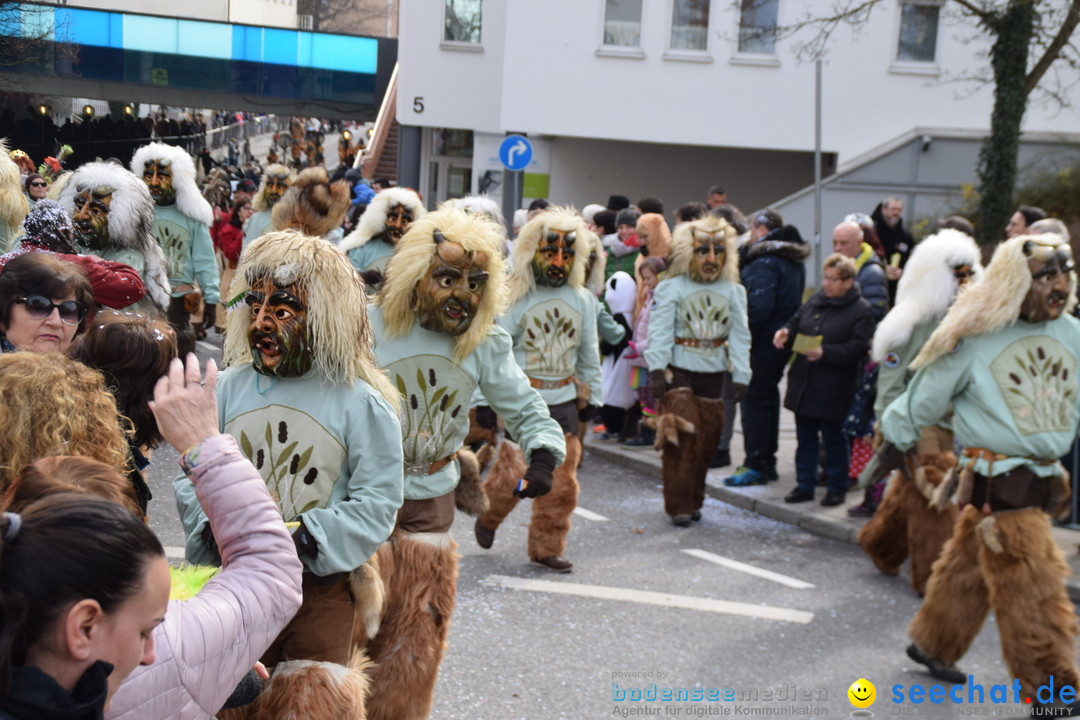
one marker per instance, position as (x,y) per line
(129,109)
(43,109)
(88,111)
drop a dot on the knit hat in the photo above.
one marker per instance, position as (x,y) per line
(49,226)
(618,202)
(627,217)
(589,211)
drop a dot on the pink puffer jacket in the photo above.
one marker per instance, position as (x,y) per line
(208,643)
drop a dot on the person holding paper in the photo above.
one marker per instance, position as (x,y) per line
(831,335)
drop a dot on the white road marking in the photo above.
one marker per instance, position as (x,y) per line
(174,553)
(749,569)
(589,514)
(645,597)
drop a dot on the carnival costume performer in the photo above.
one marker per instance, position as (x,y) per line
(182,220)
(552,322)
(313,412)
(112,212)
(436,339)
(385,221)
(698,332)
(275,181)
(1005,357)
(13,202)
(312,204)
(907,522)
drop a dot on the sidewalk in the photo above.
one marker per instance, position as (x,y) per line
(768,500)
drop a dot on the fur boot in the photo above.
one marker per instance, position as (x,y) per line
(315,691)
(469,495)
(550,522)
(508,468)
(410,645)
(928,529)
(885,536)
(679,458)
(957,598)
(1035,618)
(710,427)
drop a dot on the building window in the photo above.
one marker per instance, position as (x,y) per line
(622,23)
(463,21)
(918,32)
(757,26)
(689,24)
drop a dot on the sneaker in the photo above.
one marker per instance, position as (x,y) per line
(938,669)
(554,563)
(862,510)
(599,428)
(610,437)
(485,536)
(682,520)
(771,475)
(639,441)
(799,495)
(833,498)
(745,476)
(720,459)
(696,516)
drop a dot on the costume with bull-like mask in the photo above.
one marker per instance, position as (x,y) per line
(1005,357)
(436,339)
(698,332)
(552,323)
(312,411)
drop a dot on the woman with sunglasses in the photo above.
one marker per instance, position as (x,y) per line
(36,188)
(44,303)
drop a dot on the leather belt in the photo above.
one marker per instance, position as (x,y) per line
(550,384)
(417,469)
(704,343)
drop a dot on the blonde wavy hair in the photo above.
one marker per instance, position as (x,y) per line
(682,247)
(52,405)
(337,306)
(414,255)
(563,219)
(992,303)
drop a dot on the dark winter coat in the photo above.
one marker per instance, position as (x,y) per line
(893,239)
(773,273)
(823,389)
(36,696)
(873,285)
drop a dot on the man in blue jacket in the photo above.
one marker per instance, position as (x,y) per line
(771,269)
(848,240)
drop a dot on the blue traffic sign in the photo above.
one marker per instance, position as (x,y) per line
(515,152)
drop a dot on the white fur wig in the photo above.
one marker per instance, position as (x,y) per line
(373,221)
(189,200)
(563,219)
(682,247)
(414,254)
(337,306)
(13,203)
(130,219)
(992,303)
(481,205)
(276,169)
(927,287)
(620,293)
(594,278)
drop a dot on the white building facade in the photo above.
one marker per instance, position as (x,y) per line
(668,97)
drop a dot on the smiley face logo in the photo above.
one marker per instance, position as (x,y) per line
(862,693)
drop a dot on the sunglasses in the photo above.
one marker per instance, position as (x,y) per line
(38,184)
(40,307)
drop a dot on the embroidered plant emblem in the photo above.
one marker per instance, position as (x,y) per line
(1037,377)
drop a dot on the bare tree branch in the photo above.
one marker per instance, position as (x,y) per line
(1054,49)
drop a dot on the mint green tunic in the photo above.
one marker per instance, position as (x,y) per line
(188,250)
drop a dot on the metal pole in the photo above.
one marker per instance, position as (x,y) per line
(818,240)
(512,187)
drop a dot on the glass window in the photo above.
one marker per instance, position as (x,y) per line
(757,26)
(622,23)
(689,24)
(463,21)
(918,32)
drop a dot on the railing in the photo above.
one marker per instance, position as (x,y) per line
(368,160)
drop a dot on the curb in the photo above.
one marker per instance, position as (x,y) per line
(805,516)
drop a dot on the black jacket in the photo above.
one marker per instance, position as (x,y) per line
(774,276)
(36,696)
(893,239)
(823,389)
